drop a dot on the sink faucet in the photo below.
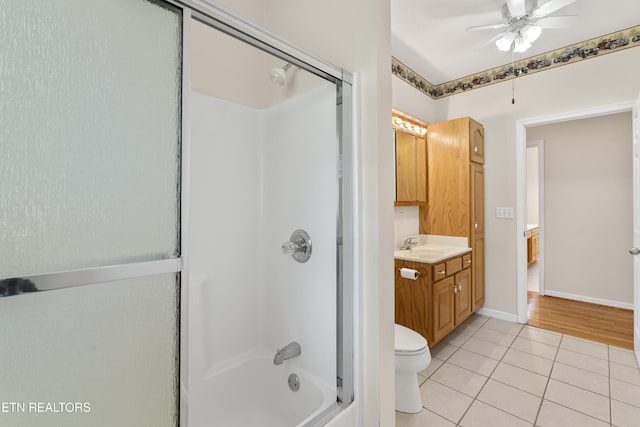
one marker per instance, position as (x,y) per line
(289,351)
(408,244)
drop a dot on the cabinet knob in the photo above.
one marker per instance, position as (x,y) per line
(440,272)
(455,289)
(475,224)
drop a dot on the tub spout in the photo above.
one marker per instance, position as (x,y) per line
(289,351)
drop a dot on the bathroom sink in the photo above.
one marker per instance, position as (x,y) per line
(426,253)
(429,253)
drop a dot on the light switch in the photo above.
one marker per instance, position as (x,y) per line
(504,212)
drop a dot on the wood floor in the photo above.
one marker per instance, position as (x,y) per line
(594,322)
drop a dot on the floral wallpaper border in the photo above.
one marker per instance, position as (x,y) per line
(578,52)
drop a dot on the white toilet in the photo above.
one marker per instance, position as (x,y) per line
(412,356)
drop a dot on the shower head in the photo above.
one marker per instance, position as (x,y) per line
(279,75)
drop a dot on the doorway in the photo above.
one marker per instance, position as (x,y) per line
(521,202)
(535,216)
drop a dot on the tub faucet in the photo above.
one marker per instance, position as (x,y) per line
(289,351)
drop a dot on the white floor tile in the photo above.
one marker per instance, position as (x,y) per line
(583,361)
(474,362)
(503,326)
(554,415)
(587,402)
(625,392)
(456,339)
(581,378)
(624,373)
(511,400)
(501,338)
(443,351)
(590,348)
(444,401)
(485,348)
(520,378)
(459,379)
(527,361)
(433,366)
(622,356)
(540,335)
(424,418)
(623,415)
(536,348)
(483,415)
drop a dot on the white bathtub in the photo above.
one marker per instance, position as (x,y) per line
(253,392)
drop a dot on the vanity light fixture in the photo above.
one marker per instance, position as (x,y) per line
(410,125)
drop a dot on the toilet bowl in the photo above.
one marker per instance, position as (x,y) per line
(412,355)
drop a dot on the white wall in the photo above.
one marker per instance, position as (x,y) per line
(533,205)
(570,88)
(588,208)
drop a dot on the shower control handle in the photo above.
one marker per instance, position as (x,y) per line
(298,246)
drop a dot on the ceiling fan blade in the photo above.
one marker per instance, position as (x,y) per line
(557,22)
(490,41)
(550,7)
(488,27)
(517,7)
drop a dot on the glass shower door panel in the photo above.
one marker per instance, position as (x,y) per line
(102,355)
(89,127)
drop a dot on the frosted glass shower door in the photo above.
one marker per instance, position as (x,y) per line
(90,128)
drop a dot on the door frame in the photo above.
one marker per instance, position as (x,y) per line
(521,187)
(539,145)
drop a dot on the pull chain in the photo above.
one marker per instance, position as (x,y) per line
(513,81)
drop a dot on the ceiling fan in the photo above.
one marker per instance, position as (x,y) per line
(524,21)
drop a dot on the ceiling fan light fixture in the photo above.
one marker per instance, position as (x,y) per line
(504,42)
(521,44)
(531,32)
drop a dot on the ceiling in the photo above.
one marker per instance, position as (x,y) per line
(430,36)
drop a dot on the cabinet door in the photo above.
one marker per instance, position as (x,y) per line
(477,198)
(477,271)
(476,142)
(462,282)
(411,169)
(443,308)
(406,190)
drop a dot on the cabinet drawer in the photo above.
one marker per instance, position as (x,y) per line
(439,271)
(466,261)
(453,266)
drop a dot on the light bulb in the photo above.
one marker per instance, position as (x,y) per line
(504,42)
(521,44)
(532,32)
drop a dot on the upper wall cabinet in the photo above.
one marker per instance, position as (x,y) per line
(410,160)
(411,169)
(476,142)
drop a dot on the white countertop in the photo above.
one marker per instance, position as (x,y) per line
(531,226)
(432,249)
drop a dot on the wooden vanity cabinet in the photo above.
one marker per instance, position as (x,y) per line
(533,245)
(411,169)
(455,190)
(438,301)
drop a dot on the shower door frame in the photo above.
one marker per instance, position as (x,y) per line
(243,30)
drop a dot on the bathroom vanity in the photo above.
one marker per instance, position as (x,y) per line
(440,298)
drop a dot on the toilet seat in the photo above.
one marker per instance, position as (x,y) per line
(408,341)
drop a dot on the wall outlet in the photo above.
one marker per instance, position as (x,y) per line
(504,212)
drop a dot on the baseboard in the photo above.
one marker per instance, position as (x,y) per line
(503,315)
(583,298)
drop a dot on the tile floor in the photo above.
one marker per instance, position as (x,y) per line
(493,373)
